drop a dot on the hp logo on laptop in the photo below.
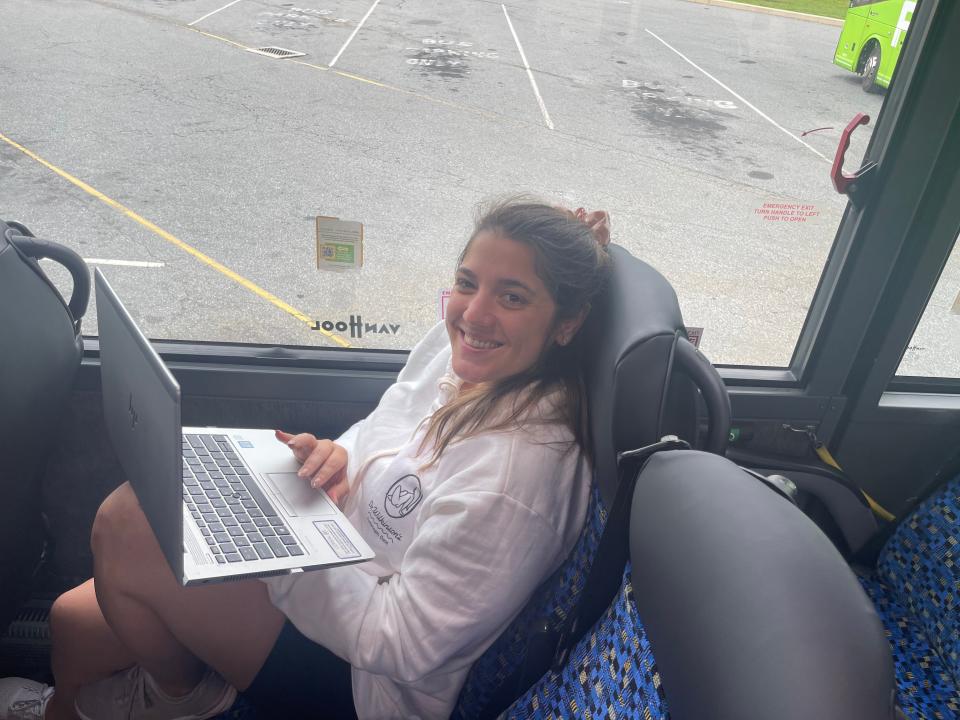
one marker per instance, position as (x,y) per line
(133,414)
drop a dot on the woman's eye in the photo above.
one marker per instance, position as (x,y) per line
(514,299)
(462,284)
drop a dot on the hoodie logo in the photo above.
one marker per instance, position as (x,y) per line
(403,496)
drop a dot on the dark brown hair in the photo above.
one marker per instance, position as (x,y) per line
(575,269)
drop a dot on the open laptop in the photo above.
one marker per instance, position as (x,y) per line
(223,503)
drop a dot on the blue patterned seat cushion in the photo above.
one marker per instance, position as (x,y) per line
(553,600)
(925,688)
(920,565)
(611,673)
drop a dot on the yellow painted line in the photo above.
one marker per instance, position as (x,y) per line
(217,37)
(219,267)
(309,65)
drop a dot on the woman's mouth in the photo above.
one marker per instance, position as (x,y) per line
(479,343)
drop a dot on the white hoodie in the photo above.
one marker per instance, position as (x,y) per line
(460,545)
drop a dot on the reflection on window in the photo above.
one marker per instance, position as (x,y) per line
(934,350)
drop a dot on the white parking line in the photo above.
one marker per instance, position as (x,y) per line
(125,263)
(740,97)
(234,2)
(526,65)
(355,31)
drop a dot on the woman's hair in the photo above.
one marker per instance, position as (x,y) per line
(575,269)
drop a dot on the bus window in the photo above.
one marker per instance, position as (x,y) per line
(194,171)
(934,350)
(873,33)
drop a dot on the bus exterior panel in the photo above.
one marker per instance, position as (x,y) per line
(871,28)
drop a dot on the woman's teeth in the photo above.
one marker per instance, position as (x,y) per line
(479,344)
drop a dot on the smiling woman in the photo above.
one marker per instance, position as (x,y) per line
(522,291)
(488,411)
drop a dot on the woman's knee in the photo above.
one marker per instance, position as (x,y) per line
(121,534)
(71,612)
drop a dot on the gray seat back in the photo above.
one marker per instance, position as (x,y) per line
(39,356)
(751,612)
(638,385)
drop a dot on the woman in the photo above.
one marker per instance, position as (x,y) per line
(468,480)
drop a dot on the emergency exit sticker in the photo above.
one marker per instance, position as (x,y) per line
(786,212)
(693,335)
(442,299)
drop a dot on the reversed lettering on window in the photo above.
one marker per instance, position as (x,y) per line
(786,212)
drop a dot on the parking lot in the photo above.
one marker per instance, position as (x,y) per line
(146,136)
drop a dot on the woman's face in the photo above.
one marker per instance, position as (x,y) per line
(500,316)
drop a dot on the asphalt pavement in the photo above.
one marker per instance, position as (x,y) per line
(202,166)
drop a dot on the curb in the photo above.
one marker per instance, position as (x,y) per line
(821,19)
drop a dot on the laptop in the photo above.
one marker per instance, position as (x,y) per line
(224,503)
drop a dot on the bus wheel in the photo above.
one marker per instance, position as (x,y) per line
(870,66)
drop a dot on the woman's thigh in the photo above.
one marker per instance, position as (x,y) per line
(230,626)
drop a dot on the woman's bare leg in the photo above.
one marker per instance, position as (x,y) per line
(172,631)
(85,649)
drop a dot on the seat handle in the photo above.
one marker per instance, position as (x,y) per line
(692,362)
(19,236)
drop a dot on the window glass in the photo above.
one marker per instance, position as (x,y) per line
(934,350)
(151,137)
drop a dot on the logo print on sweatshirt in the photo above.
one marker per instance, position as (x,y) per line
(403,496)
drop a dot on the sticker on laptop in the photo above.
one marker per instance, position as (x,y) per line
(337,539)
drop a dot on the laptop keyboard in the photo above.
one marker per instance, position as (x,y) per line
(236,518)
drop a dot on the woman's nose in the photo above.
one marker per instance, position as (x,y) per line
(479,310)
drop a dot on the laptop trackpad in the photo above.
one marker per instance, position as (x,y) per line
(297,497)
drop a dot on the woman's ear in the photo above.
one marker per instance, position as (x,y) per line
(569,327)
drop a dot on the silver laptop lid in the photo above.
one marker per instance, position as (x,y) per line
(141,405)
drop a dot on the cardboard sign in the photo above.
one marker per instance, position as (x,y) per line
(339,243)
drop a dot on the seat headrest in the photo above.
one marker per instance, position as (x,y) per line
(631,335)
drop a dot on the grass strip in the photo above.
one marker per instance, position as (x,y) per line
(827,8)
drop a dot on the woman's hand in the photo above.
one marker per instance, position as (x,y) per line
(324,463)
(599,223)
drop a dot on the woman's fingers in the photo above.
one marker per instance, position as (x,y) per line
(599,222)
(327,461)
(323,463)
(338,489)
(302,445)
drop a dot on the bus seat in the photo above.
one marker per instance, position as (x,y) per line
(734,606)
(39,358)
(642,375)
(916,589)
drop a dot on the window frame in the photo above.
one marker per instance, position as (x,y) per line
(912,126)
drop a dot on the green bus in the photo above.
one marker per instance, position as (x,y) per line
(871,39)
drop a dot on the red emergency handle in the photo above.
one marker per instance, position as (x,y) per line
(842,181)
